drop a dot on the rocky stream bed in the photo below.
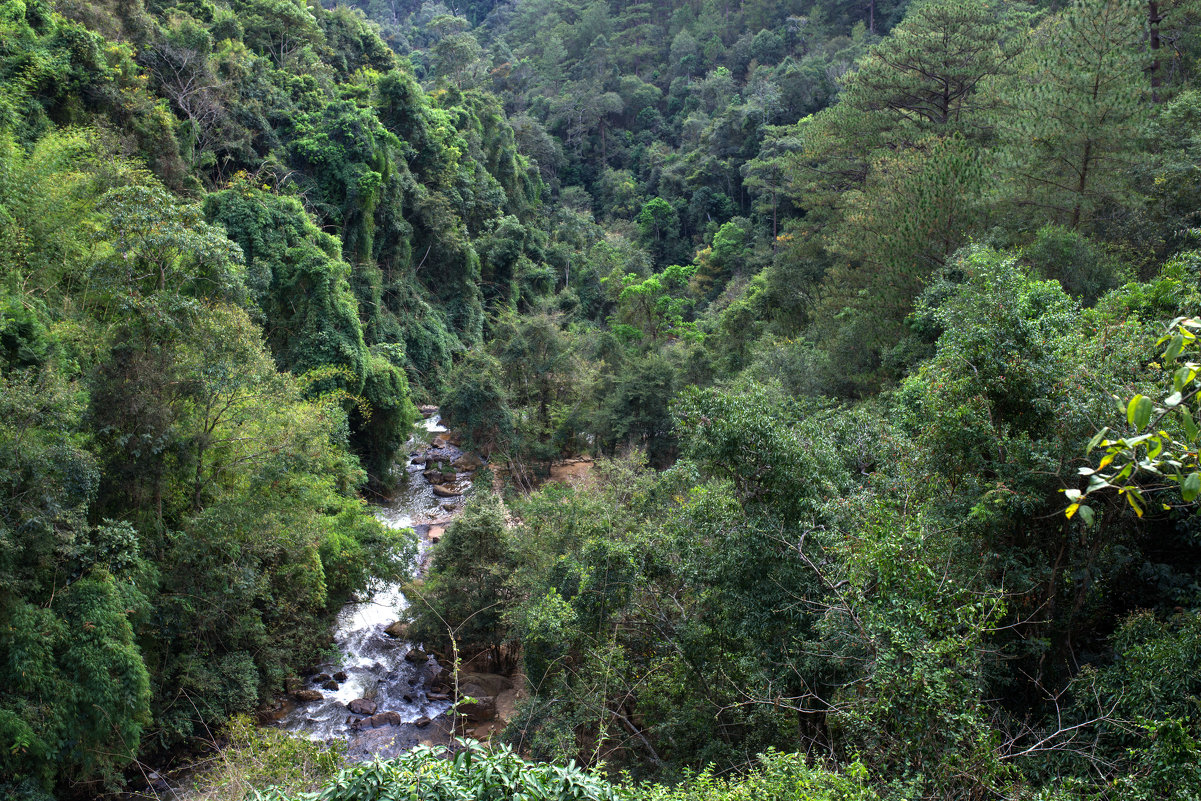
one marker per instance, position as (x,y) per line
(383,694)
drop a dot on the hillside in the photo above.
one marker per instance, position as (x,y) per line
(878,316)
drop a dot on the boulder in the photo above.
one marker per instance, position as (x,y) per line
(477,684)
(444,491)
(377,721)
(468,462)
(330,685)
(416,655)
(422,459)
(320,678)
(399,630)
(340,676)
(481,710)
(274,713)
(307,696)
(433,476)
(438,442)
(421,723)
(385,719)
(449,507)
(483,687)
(293,685)
(362,706)
(428,410)
(437,696)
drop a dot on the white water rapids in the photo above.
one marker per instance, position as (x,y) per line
(373,662)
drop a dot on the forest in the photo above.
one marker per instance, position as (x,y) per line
(880,318)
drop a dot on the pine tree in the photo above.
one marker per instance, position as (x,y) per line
(920,81)
(1074,116)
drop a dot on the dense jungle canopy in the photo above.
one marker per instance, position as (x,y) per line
(879,316)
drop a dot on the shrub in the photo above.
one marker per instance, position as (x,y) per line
(255,756)
(476,774)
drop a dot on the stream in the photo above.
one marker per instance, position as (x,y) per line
(371,664)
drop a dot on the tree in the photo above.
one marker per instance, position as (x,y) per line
(476,402)
(541,379)
(464,593)
(301,284)
(922,80)
(455,56)
(1072,119)
(78,699)
(180,62)
(279,28)
(655,306)
(161,248)
(766,174)
(915,210)
(659,225)
(726,257)
(1158,456)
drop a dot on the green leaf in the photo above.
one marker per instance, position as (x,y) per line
(1096,440)
(1190,487)
(1155,448)
(1174,347)
(1086,514)
(1190,427)
(1134,501)
(1138,411)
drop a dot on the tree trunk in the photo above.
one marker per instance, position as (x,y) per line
(1153,20)
(774,228)
(1082,184)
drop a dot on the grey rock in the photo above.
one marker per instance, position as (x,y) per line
(384,719)
(481,710)
(362,706)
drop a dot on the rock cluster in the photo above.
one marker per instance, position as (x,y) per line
(445,465)
(482,688)
(377,721)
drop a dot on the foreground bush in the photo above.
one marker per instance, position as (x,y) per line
(257,756)
(477,774)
